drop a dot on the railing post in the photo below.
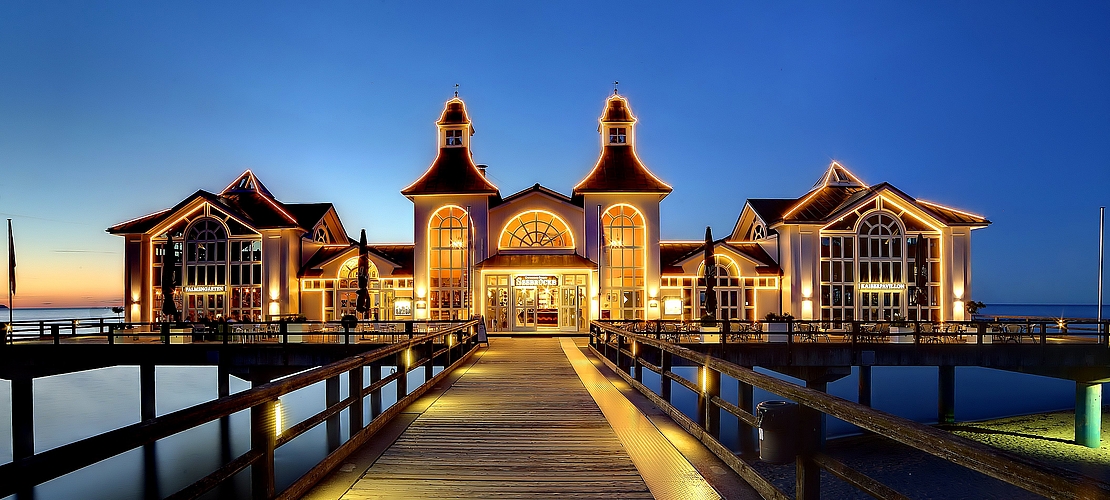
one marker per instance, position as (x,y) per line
(376,394)
(354,388)
(73,328)
(664,380)
(429,366)
(712,388)
(283,329)
(263,439)
(746,398)
(331,398)
(111,333)
(621,359)
(347,333)
(408,328)
(403,369)
(637,367)
(54,332)
(811,438)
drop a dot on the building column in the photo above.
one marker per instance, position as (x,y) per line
(1088,414)
(946,394)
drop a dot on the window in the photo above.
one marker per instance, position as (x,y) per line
(881,248)
(321,235)
(838,280)
(617,135)
(759,233)
(536,229)
(205,265)
(726,285)
(453,137)
(347,289)
(448,264)
(624,239)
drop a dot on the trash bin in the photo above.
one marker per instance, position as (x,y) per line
(777,429)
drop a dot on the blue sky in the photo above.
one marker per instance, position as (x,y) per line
(108,112)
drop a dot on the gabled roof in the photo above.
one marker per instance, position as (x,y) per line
(536,188)
(308,214)
(672,254)
(248,200)
(327,254)
(837,191)
(402,255)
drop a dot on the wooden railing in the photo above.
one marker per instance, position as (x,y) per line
(448,347)
(113,331)
(1022,331)
(622,351)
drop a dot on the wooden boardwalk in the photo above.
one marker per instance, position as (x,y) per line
(518,424)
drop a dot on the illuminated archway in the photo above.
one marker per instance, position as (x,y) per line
(536,229)
(625,241)
(448,263)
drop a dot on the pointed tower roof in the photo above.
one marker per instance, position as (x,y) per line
(453,171)
(618,169)
(837,175)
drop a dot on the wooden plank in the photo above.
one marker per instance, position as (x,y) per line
(518,424)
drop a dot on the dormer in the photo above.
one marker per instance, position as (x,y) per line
(454,125)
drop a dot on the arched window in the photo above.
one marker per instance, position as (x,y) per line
(321,235)
(881,249)
(759,232)
(448,264)
(347,289)
(205,266)
(536,229)
(624,243)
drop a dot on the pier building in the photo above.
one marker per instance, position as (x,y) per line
(539,259)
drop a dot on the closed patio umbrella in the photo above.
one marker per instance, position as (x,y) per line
(710,278)
(921,274)
(362,305)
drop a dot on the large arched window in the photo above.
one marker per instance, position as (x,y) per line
(881,248)
(205,266)
(624,243)
(448,264)
(536,229)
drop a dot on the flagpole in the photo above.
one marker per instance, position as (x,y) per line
(11,281)
(1101,258)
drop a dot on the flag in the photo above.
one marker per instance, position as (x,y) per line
(11,260)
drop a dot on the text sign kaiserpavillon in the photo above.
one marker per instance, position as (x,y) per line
(882,286)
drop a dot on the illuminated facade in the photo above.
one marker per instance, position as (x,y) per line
(542,260)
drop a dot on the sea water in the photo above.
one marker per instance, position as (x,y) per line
(78,405)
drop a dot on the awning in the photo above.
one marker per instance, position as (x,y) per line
(536,261)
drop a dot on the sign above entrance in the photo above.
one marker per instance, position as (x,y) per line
(536,281)
(205,289)
(882,286)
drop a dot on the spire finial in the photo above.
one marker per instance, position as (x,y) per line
(615,83)
(456,90)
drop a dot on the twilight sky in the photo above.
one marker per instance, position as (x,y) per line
(112,112)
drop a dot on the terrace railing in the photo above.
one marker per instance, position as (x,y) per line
(1015,331)
(448,346)
(623,349)
(111,331)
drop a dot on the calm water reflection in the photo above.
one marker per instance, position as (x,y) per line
(79,405)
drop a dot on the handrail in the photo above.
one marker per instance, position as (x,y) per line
(790,331)
(53,463)
(1031,475)
(261,332)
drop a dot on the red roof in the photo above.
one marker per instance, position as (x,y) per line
(619,170)
(452,172)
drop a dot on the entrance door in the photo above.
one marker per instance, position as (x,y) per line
(498,309)
(525,307)
(568,312)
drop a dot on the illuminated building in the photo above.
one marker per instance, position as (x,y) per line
(538,259)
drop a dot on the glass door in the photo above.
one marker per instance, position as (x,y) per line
(568,312)
(525,307)
(880,306)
